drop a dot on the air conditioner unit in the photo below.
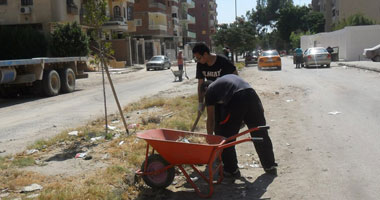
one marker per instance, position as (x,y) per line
(25,10)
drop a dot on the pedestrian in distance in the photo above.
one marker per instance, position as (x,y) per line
(298,57)
(210,67)
(180,64)
(239,103)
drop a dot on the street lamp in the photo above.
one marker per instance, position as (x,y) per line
(235,10)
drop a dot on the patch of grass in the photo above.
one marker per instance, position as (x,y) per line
(106,183)
(3,164)
(23,161)
(145,103)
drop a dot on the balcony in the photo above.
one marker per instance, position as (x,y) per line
(155,4)
(188,3)
(116,24)
(191,34)
(212,22)
(186,18)
(158,27)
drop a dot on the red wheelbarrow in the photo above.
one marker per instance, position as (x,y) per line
(158,171)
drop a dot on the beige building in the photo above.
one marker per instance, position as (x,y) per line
(336,10)
(40,13)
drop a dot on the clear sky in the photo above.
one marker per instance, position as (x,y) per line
(226,8)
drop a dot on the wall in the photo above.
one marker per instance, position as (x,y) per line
(350,40)
(122,48)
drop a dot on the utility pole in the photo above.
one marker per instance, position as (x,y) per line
(235,10)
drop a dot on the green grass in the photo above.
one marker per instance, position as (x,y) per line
(239,65)
(23,161)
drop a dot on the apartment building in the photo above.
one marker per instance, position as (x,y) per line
(206,20)
(187,19)
(336,10)
(157,25)
(120,13)
(39,13)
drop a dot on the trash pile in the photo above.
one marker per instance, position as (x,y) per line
(197,139)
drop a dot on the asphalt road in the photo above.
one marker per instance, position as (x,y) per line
(326,132)
(324,126)
(27,119)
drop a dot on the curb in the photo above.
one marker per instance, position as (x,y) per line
(360,67)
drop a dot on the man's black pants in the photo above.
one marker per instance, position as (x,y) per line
(244,106)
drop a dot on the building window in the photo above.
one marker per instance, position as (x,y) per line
(130,13)
(116,12)
(138,22)
(26,2)
(124,12)
(3,2)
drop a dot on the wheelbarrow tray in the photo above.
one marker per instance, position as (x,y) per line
(164,141)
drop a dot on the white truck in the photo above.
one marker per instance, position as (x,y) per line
(46,76)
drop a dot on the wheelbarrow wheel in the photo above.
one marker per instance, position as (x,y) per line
(159,181)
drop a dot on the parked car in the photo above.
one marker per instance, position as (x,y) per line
(373,53)
(316,56)
(269,59)
(158,62)
(251,58)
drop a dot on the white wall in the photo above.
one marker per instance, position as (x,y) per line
(351,41)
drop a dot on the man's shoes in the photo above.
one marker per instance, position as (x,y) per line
(235,174)
(271,170)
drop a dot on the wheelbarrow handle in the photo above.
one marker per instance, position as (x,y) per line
(258,128)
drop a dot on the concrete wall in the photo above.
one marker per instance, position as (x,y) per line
(122,48)
(350,40)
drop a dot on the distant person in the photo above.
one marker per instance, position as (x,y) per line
(330,50)
(210,67)
(239,103)
(298,57)
(180,64)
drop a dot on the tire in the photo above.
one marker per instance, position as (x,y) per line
(67,77)
(158,181)
(376,59)
(51,83)
(328,65)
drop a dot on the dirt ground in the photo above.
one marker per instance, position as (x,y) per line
(281,112)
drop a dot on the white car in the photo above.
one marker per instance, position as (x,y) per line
(373,53)
(158,62)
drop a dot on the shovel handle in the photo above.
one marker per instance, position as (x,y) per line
(196,122)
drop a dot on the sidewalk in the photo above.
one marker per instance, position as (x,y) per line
(135,67)
(367,65)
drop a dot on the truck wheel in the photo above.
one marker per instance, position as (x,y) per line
(67,80)
(51,83)
(162,180)
(376,59)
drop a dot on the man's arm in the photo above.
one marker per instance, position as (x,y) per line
(210,119)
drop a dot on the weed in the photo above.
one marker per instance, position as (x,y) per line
(3,164)
(239,65)
(23,161)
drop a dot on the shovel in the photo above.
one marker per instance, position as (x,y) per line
(196,121)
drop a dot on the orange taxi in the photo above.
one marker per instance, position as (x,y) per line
(269,59)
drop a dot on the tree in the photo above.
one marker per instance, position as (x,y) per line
(354,20)
(69,40)
(22,43)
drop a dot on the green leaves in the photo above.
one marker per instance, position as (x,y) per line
(69,40)
(354,20)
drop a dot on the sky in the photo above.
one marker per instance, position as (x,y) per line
(226,8)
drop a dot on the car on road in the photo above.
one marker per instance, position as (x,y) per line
(316,56)
(373,53)
(269,59)
(158,62)
(251,58)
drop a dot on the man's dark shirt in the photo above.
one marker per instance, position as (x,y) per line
(221,67)
(222,90)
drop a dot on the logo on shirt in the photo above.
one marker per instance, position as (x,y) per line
(215,74)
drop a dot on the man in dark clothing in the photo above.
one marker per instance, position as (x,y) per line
(237,102)
(210,67)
